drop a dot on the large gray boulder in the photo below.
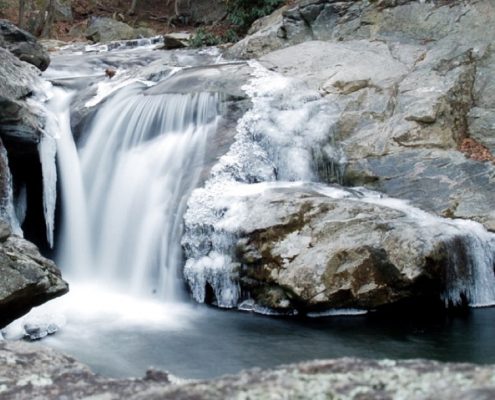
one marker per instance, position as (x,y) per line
(28,370)
(23,45)
(299,248)
(27,278)
(105,30)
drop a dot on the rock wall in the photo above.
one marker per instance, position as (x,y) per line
(411,81)
(27,279)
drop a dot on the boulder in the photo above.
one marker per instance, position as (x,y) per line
(23,45)
(24,366)
(298,248)
(172,43)
(105,30)
(21,123)
(442,182)
(63,10)
(28,278)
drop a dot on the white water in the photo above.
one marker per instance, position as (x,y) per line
(124,193)
(74,238)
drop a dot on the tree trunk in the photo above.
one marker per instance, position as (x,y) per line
(48,15)
(132,10)
(22,12)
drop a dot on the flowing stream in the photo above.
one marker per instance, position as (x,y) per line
(125,182)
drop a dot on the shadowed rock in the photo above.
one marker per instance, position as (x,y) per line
(23,45)
(27,278)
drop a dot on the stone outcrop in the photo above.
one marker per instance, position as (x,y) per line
(27,369)
(23,45)
(297,248)
(27,278)
(410,80)
(20,122)
(103,30)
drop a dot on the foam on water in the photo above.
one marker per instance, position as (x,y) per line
(91,308)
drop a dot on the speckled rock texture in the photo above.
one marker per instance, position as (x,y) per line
(29,371)
(103,30)
(412,81)
(313,247)
(23,45)
(27,278)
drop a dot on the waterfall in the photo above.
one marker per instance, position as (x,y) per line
(74,247)
(125,191)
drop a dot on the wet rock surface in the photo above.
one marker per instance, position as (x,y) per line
(28,370)
(28,278)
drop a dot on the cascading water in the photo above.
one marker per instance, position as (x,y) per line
(123,206)
(123,195)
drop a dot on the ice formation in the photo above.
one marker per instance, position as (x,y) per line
(278,140)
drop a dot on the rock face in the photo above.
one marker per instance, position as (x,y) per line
(410,81)
(107,30)
(28,279)
(26,369)
(297,248)
(63,10)
(23,45)
(20,122)
(54,375)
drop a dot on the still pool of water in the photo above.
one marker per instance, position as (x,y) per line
(119,336)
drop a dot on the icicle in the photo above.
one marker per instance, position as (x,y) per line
(47,149)
(21,204)
(7,211)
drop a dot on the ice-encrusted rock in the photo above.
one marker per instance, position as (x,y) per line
(28,278)
(315,247)
(26,368)
(410,81)
(286,134)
